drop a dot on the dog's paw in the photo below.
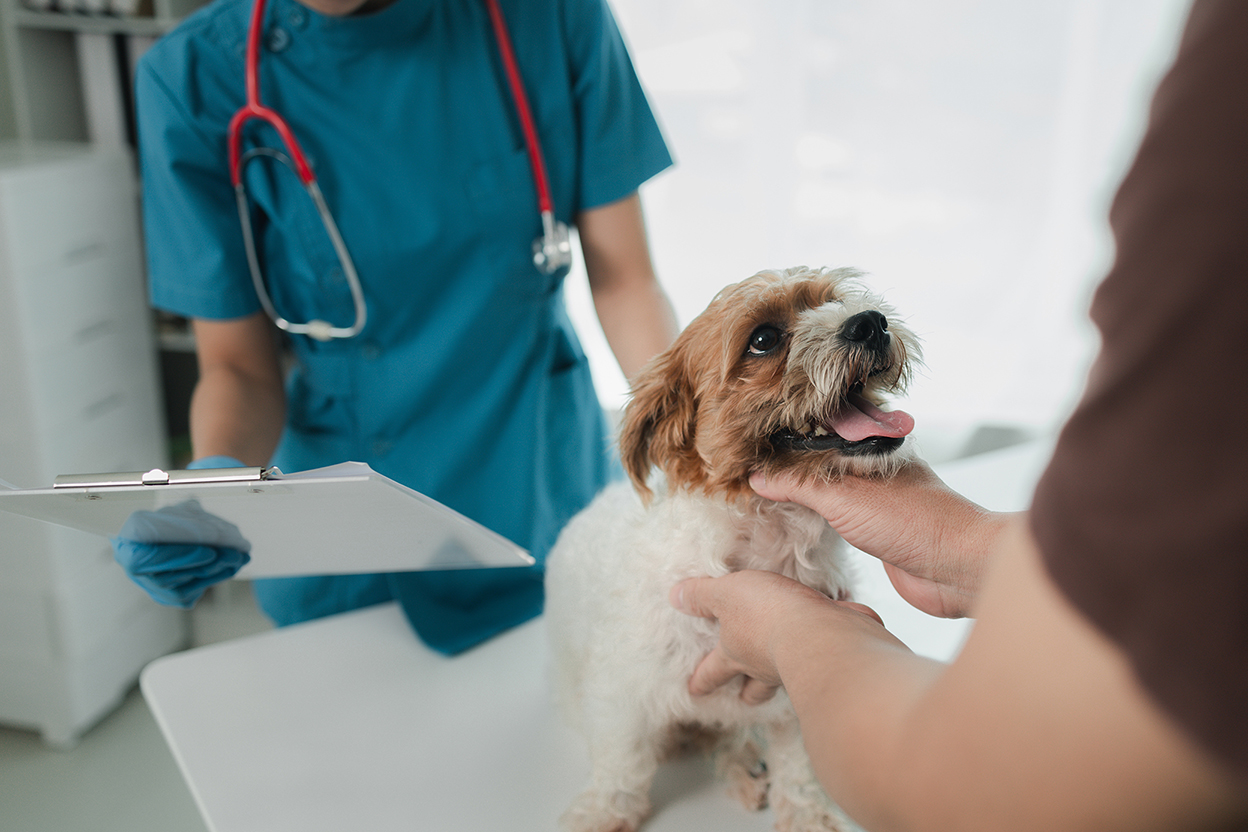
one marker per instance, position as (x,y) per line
(597,812)
(746,773)
(819,815)
(749,789)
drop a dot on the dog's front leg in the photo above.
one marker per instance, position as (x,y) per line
(625,756)
(740,764)
(800,803)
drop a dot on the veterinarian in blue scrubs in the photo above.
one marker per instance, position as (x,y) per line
(468,382)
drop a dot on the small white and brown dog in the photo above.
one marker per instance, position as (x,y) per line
(784,371)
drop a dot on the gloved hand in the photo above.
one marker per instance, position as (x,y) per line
(177,552)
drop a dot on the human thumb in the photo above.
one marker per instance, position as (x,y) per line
(686,597)
(780,487)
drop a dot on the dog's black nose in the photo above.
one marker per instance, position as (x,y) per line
(868,328)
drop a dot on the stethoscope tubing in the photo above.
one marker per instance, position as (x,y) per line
(252,108)
(319,329)
(544,203)
(551,251)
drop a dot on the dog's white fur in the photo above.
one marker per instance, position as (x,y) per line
(704,413)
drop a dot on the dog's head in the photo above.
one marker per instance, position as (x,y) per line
(783,371)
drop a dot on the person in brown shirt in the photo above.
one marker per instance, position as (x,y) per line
(1105,683)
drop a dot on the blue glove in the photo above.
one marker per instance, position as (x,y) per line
(177,552)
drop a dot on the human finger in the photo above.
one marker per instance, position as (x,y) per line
(139,558)
(756,691)
(693,596)
(785,487)
(862,608)
(930,596)
(713,672)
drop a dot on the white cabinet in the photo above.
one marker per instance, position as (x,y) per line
(78,393)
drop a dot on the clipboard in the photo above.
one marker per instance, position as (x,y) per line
(344,519)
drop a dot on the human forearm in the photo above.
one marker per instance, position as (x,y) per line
(232,415)
(1037,725)
(638,323)
(851,682)
(854,688)
(238,408)
(634,311)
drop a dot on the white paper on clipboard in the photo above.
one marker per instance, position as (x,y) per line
(344,519)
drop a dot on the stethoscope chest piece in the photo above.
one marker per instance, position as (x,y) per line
(553,250)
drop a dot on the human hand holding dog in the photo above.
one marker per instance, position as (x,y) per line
(935,543)
(758,613)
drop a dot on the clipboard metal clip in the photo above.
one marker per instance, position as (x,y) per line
(158,477)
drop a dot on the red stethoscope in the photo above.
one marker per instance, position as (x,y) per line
(551,251)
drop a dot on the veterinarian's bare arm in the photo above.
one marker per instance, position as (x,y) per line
(239,405)
(634,311)
(1037,725)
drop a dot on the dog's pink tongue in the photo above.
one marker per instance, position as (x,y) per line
(863,420)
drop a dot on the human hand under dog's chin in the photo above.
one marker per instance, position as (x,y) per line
(935,543)
(758,614)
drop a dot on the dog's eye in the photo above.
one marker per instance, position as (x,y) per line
(764,339)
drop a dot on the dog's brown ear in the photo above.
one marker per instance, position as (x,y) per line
(659,420)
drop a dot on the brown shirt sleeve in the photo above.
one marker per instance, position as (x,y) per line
(1142,515)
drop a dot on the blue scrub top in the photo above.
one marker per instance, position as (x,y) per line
(468,382)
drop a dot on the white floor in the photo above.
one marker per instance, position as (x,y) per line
(962,153)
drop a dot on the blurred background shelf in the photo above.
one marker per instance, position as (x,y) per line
(96,24)
(67,74)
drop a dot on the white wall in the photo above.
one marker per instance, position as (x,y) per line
(963,153)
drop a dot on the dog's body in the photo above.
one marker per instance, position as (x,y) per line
(777,374)
(625,655)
